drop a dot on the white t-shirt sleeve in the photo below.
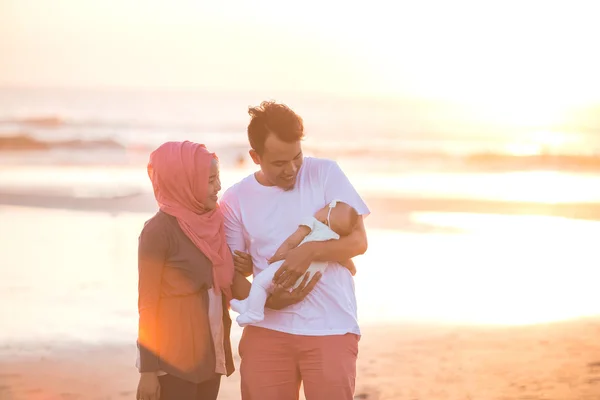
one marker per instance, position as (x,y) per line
(338,187)
(234,230)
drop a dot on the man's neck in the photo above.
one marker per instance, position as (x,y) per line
(260,178)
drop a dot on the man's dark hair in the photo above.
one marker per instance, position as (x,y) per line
(273,118)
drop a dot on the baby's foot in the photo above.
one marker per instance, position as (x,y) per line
(239,306)
(249,317)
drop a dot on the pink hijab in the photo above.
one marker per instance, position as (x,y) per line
(179,172)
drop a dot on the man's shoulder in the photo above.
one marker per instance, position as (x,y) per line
(232,193)
(319,168)
(318,162)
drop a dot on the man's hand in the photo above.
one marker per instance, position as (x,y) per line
(149,387)
(243,263)
(282,298)
(295,265)
(277,257)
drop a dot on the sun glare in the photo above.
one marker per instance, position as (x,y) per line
(513,265)
(534,111)
(551,139)
(542,142)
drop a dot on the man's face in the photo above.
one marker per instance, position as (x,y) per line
(279,162)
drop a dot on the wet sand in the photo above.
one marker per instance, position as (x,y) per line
(559,361)
(68,298)
(392,212)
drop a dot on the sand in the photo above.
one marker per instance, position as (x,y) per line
(559,361)
(67,263)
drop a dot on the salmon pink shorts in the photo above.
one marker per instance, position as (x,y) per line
(273,364)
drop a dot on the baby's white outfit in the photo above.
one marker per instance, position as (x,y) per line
(252,309)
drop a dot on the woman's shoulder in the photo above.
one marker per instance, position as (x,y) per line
(158,226)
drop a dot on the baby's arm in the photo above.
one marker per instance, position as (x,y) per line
(290,243)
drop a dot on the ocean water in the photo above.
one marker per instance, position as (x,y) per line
(109,126)
(71,276)
(470,224)
(389,148)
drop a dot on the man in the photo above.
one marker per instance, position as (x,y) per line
(304,337)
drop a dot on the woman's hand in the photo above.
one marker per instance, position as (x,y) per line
(243,263)
(149,387)
(282,298)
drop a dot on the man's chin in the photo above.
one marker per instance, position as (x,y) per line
(288,185)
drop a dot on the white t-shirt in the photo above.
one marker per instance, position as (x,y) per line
(258,219)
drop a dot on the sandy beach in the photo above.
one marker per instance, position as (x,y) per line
(559,361)
(458,299)
(470,128)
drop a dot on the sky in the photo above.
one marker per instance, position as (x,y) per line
(497,55)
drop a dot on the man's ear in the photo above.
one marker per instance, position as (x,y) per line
(255,157)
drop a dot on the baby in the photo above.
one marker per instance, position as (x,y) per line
(332,221)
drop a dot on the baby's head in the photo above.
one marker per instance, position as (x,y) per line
(341,219)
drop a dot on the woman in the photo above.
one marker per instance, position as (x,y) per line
(185,275)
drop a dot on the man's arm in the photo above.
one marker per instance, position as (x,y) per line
(234,229)
(234,234)
(299,259)
(345,248)
(282,298)
(349,265)
(337,186)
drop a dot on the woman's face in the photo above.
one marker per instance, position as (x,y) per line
(214,186)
